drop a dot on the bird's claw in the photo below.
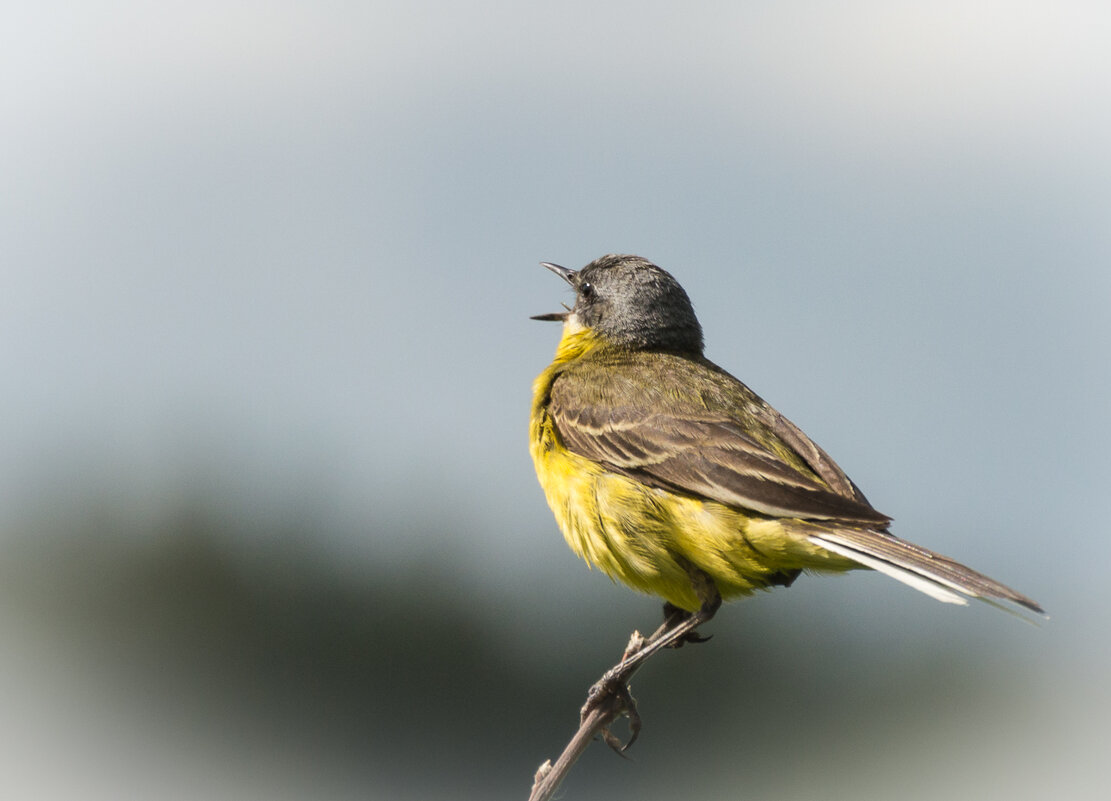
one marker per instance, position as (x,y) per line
(690,637)
(617,693)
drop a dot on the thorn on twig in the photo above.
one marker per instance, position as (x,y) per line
(636,642)
(542,771)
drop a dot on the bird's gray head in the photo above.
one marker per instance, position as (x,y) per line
(631,302)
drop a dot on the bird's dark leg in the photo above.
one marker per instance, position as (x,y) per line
(673,616)
(677,629)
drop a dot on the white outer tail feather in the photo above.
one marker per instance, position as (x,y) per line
(932,586)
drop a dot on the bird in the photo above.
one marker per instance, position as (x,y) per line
(673,477)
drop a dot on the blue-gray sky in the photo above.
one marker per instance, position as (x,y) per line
(286,252)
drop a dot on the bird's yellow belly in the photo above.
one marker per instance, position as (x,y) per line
(649,538)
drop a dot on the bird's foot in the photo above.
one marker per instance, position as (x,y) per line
(690,637)
(611,693)
(673,618)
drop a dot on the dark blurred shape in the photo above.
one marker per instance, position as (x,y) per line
(256,652)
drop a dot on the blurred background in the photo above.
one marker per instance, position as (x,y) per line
(268,524)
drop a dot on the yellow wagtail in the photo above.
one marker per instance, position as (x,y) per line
(670,475)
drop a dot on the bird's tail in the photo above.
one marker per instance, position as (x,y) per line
(938,576)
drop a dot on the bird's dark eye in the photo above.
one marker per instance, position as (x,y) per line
(586,289)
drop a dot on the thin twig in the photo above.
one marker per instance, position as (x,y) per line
(596,719)
(610,698)
(549,776)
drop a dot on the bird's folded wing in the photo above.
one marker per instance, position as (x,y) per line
(715,458)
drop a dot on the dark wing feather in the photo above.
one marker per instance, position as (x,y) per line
(696,451)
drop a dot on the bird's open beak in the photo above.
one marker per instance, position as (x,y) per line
(568,276)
